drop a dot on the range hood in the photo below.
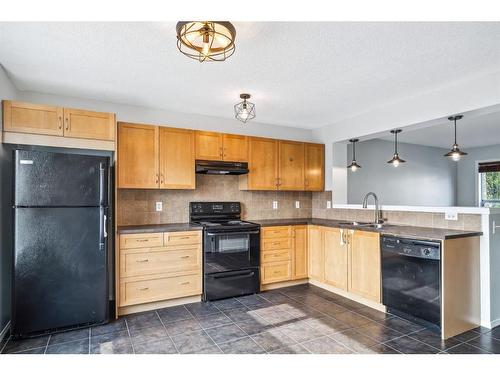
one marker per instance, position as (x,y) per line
(221,167)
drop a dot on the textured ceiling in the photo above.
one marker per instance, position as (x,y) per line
(301,74)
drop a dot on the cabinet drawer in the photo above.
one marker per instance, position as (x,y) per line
(275,256)
(140,240)
(277,232)
(143,290)
(277,244)
(142,262)
(275,272)
(182,238)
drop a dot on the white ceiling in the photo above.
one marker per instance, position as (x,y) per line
(472,131)
(300,74)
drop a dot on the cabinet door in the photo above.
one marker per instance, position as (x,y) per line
(316,258)
(32,118)
(89,125)
(208,146)
(291,165)
(262,163)
(364,270)
(299,258)
(176,159)
(138,156)
(336,257)
(315,167)
(235,147)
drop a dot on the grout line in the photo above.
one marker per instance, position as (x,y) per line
(5,344)
(47,345)
(90,335)
(203,329)
(166,331)
(129,336)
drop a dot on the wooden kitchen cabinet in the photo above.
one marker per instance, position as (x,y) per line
(262,165)
(177,158)
(23,117)
(316,253)
(208,145)
(291,165)
(299,256)
(88,124)
(235,147)
(364,265)
(138,160)
(314,167)
(336,257)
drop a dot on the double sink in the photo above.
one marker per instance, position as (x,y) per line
(363,224)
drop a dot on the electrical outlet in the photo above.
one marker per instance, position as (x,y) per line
(159,206)
(328,204)
(275,205)
(451,215)
(297,204)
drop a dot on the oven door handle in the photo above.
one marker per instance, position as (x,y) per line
(234,275)
(224,233)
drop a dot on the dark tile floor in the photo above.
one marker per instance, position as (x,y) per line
(302,319)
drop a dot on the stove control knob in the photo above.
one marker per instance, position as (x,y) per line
(426,252)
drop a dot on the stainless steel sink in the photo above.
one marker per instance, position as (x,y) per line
(373,225)
(354,223)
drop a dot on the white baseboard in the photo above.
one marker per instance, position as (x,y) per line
(494,323)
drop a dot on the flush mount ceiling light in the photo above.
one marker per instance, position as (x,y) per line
(396,160)
(455,154)
(354,166)
(244,111)
(207,40)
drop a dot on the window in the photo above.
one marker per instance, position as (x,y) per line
(489,179)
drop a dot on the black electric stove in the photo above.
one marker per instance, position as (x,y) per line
(231,250)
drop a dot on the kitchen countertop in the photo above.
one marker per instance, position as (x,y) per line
(387,229)
(152,228)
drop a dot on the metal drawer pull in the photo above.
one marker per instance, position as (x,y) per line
(185,257)
(185,283)
(142,261)
(184,238)
(142,289)
(143,240)
(276,272)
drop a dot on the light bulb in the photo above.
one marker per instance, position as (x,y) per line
(354,168)
(455,156)
(205,49)
(395,163)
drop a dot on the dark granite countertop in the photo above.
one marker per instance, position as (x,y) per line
(175,227)
(387,229)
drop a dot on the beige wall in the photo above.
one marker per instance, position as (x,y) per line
(138,206)
(421,219)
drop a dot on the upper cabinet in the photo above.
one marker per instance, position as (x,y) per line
(88,124)
(152,157)
(138,156)
(219,146)
(32,118)
(314,167)
(38,119)
(284,165)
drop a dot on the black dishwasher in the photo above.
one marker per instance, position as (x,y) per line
(411,279)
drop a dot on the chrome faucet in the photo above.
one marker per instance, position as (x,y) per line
(377,219)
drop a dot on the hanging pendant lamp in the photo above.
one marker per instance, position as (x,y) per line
(245,110)
(396,160)
(354,166)
(455,153)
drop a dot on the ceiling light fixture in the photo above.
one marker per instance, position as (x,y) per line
(244,111)
(455,154)
(207,40)
(396,160)
(354,166)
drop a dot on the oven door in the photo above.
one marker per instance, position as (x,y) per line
(231,250)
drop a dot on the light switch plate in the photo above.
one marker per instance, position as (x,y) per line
(297,204)
(275,205)
(328,204)
(159,206)
(451,215)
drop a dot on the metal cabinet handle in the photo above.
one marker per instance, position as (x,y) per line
(185,283)
(143,289)
(185,257)
(143,240)
(60,122)
(161,175)
(184,238)
(142,261)
(157,178)
(67,123)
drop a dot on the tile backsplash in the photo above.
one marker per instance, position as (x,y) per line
(137,206)
(420,219)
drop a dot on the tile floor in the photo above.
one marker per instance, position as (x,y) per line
(301,319)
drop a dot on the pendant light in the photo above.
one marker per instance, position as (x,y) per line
(244,111)
(354,166)
(396,160)
(207,40)
(455,154)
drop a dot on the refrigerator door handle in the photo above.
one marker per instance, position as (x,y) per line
(105,226)
(101,183)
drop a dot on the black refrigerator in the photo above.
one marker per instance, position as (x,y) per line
(60,275)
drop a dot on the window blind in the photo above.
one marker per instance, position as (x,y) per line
(492,166)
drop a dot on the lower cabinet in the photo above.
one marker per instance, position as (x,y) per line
(159,266)
(283,253)
(346,259)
